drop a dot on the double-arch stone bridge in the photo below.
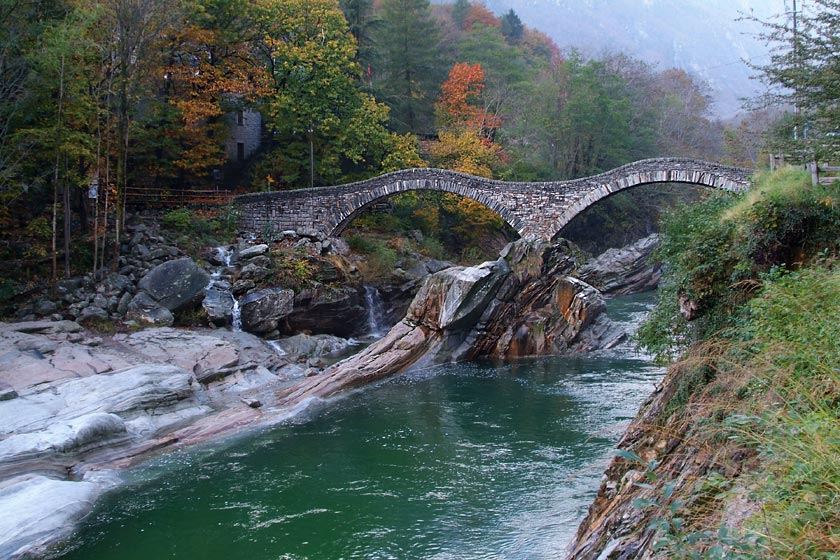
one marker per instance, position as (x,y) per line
(533,209)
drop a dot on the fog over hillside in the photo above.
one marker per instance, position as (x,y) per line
(702,37)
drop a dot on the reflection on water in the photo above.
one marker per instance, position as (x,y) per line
(460,461)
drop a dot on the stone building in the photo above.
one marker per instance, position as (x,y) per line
(245,127)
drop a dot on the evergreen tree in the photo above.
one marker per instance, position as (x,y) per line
(460,10)
(804,71)
(411,63)
(511,27)
(363,24)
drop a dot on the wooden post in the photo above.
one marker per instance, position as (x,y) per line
(772,163)
(815,173)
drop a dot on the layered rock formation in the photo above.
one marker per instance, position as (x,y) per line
(524,303)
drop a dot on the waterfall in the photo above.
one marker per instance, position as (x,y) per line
(375,312)
(236,316)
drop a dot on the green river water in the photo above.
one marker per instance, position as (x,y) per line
(461,461)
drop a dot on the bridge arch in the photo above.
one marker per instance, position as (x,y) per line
(532,209)
(345,216)
(616,182)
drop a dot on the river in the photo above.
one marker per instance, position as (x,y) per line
(461,461)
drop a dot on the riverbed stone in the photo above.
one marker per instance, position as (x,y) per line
(175,284)
(146,310)
(253,251)
(261,311)
(218,304)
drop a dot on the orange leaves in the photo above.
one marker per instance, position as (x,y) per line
(460,105)
(479,14)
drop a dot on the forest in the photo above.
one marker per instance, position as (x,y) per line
(122,99)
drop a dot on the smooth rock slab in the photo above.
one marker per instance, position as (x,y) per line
(126,392)
(37,508)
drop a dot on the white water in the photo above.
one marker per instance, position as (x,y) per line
(375,311)
(225,255)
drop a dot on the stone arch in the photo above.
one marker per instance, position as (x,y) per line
(364,199)
(615,184)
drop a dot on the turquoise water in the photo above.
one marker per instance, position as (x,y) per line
(461,461)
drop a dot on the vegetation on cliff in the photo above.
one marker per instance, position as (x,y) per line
(737,454)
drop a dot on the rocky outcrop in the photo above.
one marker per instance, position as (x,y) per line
(521,304)
(624,271)
(327,310)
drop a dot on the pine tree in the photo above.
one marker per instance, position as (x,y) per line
(411,63)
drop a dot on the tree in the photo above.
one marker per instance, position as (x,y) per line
(363,25)
(315,109)
(804,72)
(480,15)
(211,69)
(411,63)
(460,11)
(62,125)
(511,27)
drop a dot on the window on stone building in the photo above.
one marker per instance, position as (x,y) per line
(240,118)
(240,151)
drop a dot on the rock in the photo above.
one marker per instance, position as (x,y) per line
(45,307)
(93,313)
(261,261)
(175,284)
(42,327)
(326,310)
(261,311)
(145,310)
(241,286)
(191,351)
(624,271)
(455,298)
(7,393)
(125,392)
(253,272)
(122,304)
(119,283)
(253,251)
(100,301)
(302,347)
(162,252)
(43,508)
(218,304)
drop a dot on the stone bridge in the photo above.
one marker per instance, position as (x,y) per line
(533,209)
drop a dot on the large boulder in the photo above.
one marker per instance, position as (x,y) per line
(218,304)
(262,311)
(175,284)
(624,271)
(145,310)
(454,299)
(327,310)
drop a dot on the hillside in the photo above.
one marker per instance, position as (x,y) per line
(699,36)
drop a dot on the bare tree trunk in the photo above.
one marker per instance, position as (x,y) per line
(67,214)
(56,170)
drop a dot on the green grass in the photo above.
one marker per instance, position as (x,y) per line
(760,367)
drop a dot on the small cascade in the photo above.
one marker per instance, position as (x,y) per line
(236,316)
(276,347)
(224,255)
(375,311)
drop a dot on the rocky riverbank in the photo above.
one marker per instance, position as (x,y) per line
(77,406)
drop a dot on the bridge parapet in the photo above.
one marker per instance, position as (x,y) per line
(532,209)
